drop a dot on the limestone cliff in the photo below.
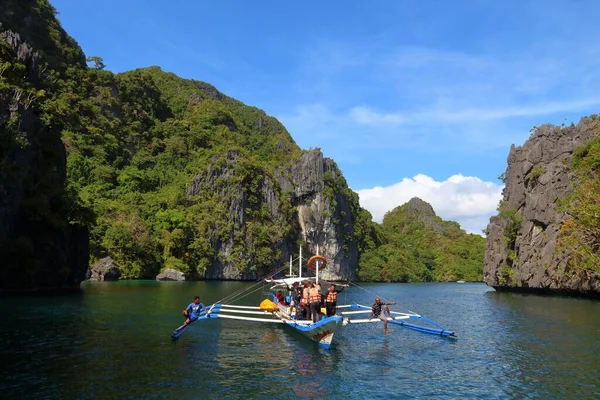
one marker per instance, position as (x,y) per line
(39,249)
(521,253)
(300,196)
(325,216)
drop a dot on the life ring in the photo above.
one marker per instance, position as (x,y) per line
(312,263)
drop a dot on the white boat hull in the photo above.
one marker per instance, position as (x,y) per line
(321,332)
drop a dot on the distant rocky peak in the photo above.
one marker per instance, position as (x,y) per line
(415,210)
(423,212)
(418,208)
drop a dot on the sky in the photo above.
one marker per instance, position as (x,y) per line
(410,97)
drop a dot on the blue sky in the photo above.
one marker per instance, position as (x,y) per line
(420,97)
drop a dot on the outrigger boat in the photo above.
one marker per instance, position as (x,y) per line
(322,331)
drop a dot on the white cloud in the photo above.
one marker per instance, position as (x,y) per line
(465,199)
(369,116)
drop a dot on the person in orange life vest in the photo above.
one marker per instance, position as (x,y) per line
(379,311)
(331,301)
(314,298)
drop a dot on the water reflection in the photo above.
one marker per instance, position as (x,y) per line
(550,344)
(309,381)
(113,342)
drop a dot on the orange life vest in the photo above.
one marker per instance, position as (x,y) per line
(314,295)
(331,297)
(305,293)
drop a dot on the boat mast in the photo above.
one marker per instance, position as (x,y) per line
(317,262)
(300,263)
(291,265)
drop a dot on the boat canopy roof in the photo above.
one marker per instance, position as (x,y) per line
(285,283)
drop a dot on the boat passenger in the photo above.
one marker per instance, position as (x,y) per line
(280,298)
(297,293)
(379,309)
(331,301)
(314,298)
(193,311)
(297,290)
(304,304)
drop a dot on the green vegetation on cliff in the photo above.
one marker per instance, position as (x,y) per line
(136,140)
(167,172)
(416,245)
(133,143)
(580,232)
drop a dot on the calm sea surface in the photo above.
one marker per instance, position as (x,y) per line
(112,341)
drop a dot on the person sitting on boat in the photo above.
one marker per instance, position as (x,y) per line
(297,293)
(331,301)
(379,309)
(280,298)
(314,298)
(193,311)
(304,302)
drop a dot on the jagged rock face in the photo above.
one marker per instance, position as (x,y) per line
(537,179)
(320,221)
(39,250)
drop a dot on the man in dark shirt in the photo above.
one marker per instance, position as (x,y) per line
(297,292)
(297,298)
(379,311)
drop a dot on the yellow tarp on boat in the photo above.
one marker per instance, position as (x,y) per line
(268,305)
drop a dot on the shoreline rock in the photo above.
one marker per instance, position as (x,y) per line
(103,270)
(170,274)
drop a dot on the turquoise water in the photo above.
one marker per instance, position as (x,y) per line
(112,341)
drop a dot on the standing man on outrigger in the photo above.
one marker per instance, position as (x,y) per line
(379,309)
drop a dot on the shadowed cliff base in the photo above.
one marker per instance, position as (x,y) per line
(549,292)
(45,292)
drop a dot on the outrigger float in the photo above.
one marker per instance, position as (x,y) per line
(320,332)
